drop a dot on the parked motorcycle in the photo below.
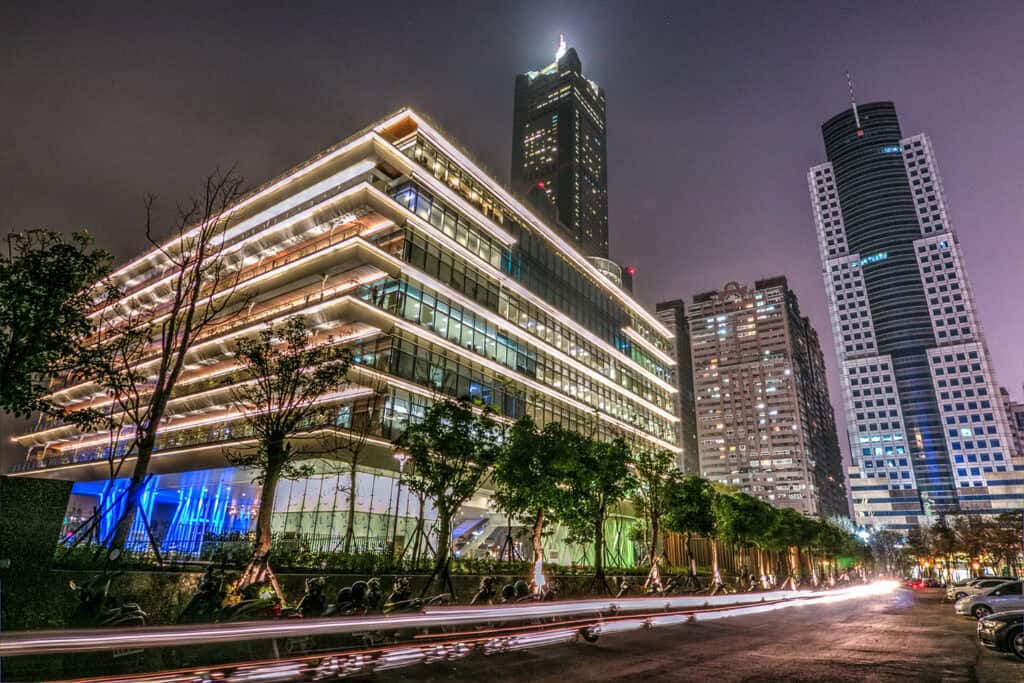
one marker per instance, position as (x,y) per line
(314,600)
(486,592)
(361,597)
(94,610)
(400,599)
(258,601)
(206,604)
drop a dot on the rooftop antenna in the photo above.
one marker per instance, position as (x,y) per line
(561,47)
(853,103)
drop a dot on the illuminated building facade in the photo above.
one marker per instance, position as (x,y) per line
(927,429)
(440,282)
(672,314)
(559,148)
(764,421)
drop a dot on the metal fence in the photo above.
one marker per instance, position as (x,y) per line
(299,548)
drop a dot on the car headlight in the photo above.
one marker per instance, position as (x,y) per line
(991,625)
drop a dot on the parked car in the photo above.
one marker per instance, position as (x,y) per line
(975,587)
(955,591)
(1002,598)
(1003,631)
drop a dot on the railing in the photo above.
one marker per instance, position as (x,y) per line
(158,273)
(317,244)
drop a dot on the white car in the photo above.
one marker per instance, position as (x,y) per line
(974,587)
(1007,596)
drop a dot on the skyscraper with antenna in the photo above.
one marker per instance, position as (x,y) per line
(927,429)
(559,148)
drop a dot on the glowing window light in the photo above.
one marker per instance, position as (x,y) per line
(874,258)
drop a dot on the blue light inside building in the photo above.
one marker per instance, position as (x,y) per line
(874,258)
(181,508)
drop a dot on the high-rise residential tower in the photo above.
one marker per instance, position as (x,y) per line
(927,429)
(764,421)
(559,152)
(672,315)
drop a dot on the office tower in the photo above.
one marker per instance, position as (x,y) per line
(927,428)
(764,421)
(559,150)
(1015,418)
(439,282)
(672,314)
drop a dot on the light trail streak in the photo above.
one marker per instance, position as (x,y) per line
(85,640)
(339,665)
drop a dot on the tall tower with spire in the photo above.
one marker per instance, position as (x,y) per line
(559,149)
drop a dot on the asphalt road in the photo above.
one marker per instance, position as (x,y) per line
(906,636)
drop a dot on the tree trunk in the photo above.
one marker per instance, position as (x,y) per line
(133,495)
(760,568)
(444,543)
(275,457)
(419,532)
(258,569)
(350,529)
(599,555)
(688,551)
(538,529)
(444,539)
(716,576)
(654,541)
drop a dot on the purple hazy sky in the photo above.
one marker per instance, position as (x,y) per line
(713,116)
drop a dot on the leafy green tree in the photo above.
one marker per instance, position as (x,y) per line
(529,475)
(45,295)
(973,537)
(791,532)
(944,541)
(287,375)
(743,520)
(656,475)
(450,449)
(885,548)
(1005,539)
(919,543)
(763,540)
(599,480)
(828,541)
(690,512)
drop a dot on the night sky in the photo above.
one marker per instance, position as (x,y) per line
(713,116)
